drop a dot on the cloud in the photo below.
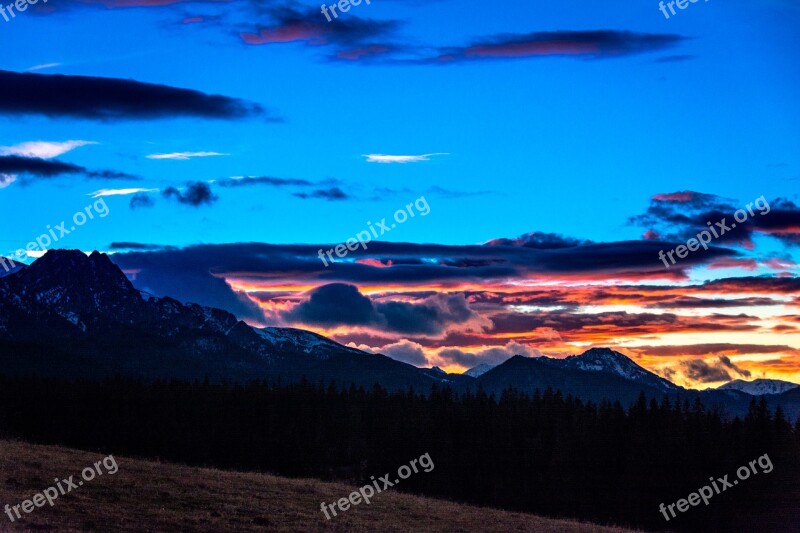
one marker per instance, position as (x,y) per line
(119,192)
(335,304)
(135,246)
(184,156)
(47,169)
(112,99)
(538,240)
(247,181)
(333,194)
(141,200)
(402,159)
(716,349)
(7,179)
(187,283)
(727,363)
(404,351)
(703,372)
(195,194)
(309,26)
(44,66)
(598,44)
(490,356)
(589,44)
(37,167)
(682,215)
(339,304)
(42,149)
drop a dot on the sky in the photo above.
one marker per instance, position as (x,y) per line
(512,171)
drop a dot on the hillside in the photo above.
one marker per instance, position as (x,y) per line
(166,497)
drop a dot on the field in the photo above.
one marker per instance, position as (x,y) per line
(146,495)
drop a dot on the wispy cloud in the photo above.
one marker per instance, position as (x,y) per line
(43,149)
(119,192)
(43,67)
(184,156)
(402,159)
(7,179)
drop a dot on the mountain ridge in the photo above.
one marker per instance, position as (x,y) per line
(99,324)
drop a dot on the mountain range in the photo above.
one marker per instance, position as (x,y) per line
(74,315)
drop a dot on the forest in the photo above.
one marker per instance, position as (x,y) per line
(543,453)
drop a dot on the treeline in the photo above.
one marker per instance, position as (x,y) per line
(543,453)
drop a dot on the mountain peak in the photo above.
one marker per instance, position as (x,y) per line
(613,362)
(759,387)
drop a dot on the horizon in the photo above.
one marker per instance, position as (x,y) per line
(491,367)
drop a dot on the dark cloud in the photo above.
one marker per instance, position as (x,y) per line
(264,180)
(289,24)
(187,283)
(715,348)
(703,372)
(49,168)
(339,304)
(682,215)
(43,168)
(588,44)
(432,316)
(111,99)
(195,194)
(333,194)
(727,363)
(134,246)
(699,370)
(540,241)
(142,200)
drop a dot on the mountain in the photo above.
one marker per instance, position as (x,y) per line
(759,387)
(595,375)
(607,361)
(73,315)
(478,371)
(70,315)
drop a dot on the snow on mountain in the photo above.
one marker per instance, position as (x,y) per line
(479,370)
(609,361)
(759,387)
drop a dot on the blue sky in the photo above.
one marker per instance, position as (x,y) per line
(549,117)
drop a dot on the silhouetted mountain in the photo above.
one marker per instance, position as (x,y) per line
(73,315)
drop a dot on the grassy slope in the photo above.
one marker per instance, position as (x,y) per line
(166,497)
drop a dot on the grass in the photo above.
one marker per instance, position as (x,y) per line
(146,495)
